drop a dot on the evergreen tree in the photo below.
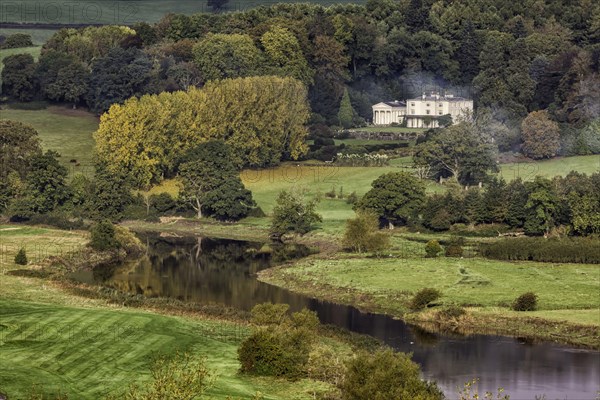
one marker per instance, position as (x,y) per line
(21,257)
(346,112)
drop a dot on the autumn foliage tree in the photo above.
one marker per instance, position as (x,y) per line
(261,119)
(541,136)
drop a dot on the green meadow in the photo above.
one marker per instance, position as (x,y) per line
(67,131)
(87,349)
(38,36)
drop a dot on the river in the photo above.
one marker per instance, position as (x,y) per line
(224,271)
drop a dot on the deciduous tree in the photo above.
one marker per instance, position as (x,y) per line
(395,197)
(541,135)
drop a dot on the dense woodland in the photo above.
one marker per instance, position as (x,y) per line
(513,58)
(262,80)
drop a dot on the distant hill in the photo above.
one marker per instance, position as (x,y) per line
(122,12)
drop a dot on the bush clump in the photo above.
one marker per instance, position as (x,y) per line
(559,250)
(451,312)
(454,250)
(281,343)
(525,302)
(432,249)
(386,375)
(423,297)
(103,236)
(21,257)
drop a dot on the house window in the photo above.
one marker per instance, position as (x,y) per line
(412,111)
(412,104)
(439,105)
(427,111)
(427,104)
(440,112)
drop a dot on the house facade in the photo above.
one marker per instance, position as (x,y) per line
(424,111)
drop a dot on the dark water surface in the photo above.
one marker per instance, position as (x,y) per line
(223,271)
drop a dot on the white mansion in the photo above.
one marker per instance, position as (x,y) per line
(422,112)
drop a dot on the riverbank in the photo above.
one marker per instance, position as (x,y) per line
(569,308)
(54,332)
(568,311)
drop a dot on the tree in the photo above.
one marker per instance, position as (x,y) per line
(220,56)
(386,375)
(103,236)
(19,144)
(62,77)
(362,233)
(345,113)
(111,194)
(261,119)
(121,74)
(284,56)
(542,207)
(541,136)
(461,151)
(46,187)
(18,77)
(17,40)
(21,257)
(212,184)
(395,197)
(292,214)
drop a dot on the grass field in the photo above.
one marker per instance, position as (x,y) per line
(86,349)
(66,131)
(549,168)
(468,281)
(568,302)
(38,36)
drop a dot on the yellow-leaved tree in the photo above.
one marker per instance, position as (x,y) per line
(261,118)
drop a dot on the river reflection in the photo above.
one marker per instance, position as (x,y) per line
(223,271)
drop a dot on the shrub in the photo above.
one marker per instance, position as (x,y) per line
(266,314)
(275,352)
(325,364)
(525,302)
(362,233)
(21,257)
(352,198)
(423,297)
(451,312)
(103,236)
(331,194)
(182,377)
(163,202)
(386,375)
(559,250)
(432,249)
(454,250)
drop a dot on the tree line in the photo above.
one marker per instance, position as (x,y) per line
(512,59)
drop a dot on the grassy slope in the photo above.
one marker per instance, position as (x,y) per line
(550,168)
(126,13)
(38,36)
(85,348)
(469,281)
(67,131)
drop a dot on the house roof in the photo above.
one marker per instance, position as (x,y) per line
(393,104)
(439,98)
